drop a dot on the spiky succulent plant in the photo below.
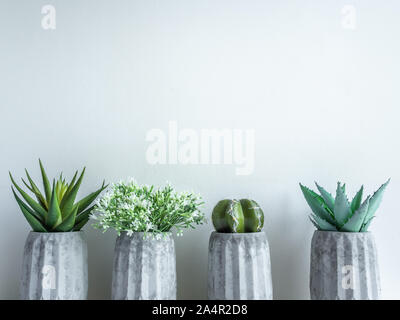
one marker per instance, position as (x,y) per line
(338,214)
(56,210)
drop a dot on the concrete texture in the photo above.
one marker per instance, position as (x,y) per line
(144,269)
(239,266)
(344,266)
(54,267)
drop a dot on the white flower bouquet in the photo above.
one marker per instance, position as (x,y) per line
(129,207)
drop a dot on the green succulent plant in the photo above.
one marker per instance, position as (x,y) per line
(338,214)
(237,216)
(55,210)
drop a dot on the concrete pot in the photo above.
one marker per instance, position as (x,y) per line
(54,266)
(144,268)
(239,266)
(344,266)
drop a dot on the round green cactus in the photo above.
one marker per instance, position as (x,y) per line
(237,216)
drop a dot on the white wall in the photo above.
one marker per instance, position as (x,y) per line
(323,101)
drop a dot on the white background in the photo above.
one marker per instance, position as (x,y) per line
(322,99)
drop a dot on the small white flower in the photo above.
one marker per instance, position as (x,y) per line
(127,206)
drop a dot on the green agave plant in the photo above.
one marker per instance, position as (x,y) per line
(338,214)
(56,210)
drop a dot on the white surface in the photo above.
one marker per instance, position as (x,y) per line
(323,101)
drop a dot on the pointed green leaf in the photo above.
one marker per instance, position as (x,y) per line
(71,184)
(32,203)
(63,189)
(356,202)
(85,214)
(317,204)
(38,196)
(85,202)
(329,200)
(36,191)
(46,183)
(33,222)
(314,223)
(69,222)
(29,215)
(33,185)
(342,208)
(366,225)
(58,190)
(53,217)
(323,224)
(68,200)
(28,186)
(80,225)
(376,200)
(355,223)
(27,208)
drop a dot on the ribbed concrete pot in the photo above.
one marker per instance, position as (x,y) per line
(344,266)
(54,266)
(239,267)
(144,268)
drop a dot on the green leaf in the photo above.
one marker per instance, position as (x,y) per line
(61,188)
(356,202)
(317,204)
(85,214)
(68,200)
(27,208)
(71,184)
(32,203)
(69,222)
(53,217)
(85,202)
(36,191)
(80,225)
(342,208)
(29,215)
(27,185)
(314,223)
(355,223)
(46,183)
(323,224)
(376,200)
(366,225)
(329,200)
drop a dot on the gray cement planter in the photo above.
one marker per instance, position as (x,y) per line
(54,266)
(344,266)
(144,268)
(239,266)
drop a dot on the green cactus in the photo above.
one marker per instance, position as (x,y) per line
(56,210)
(338,214)
(237,216)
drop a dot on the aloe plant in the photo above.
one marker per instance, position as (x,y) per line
(339,214)
(237,216)
(56,209)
